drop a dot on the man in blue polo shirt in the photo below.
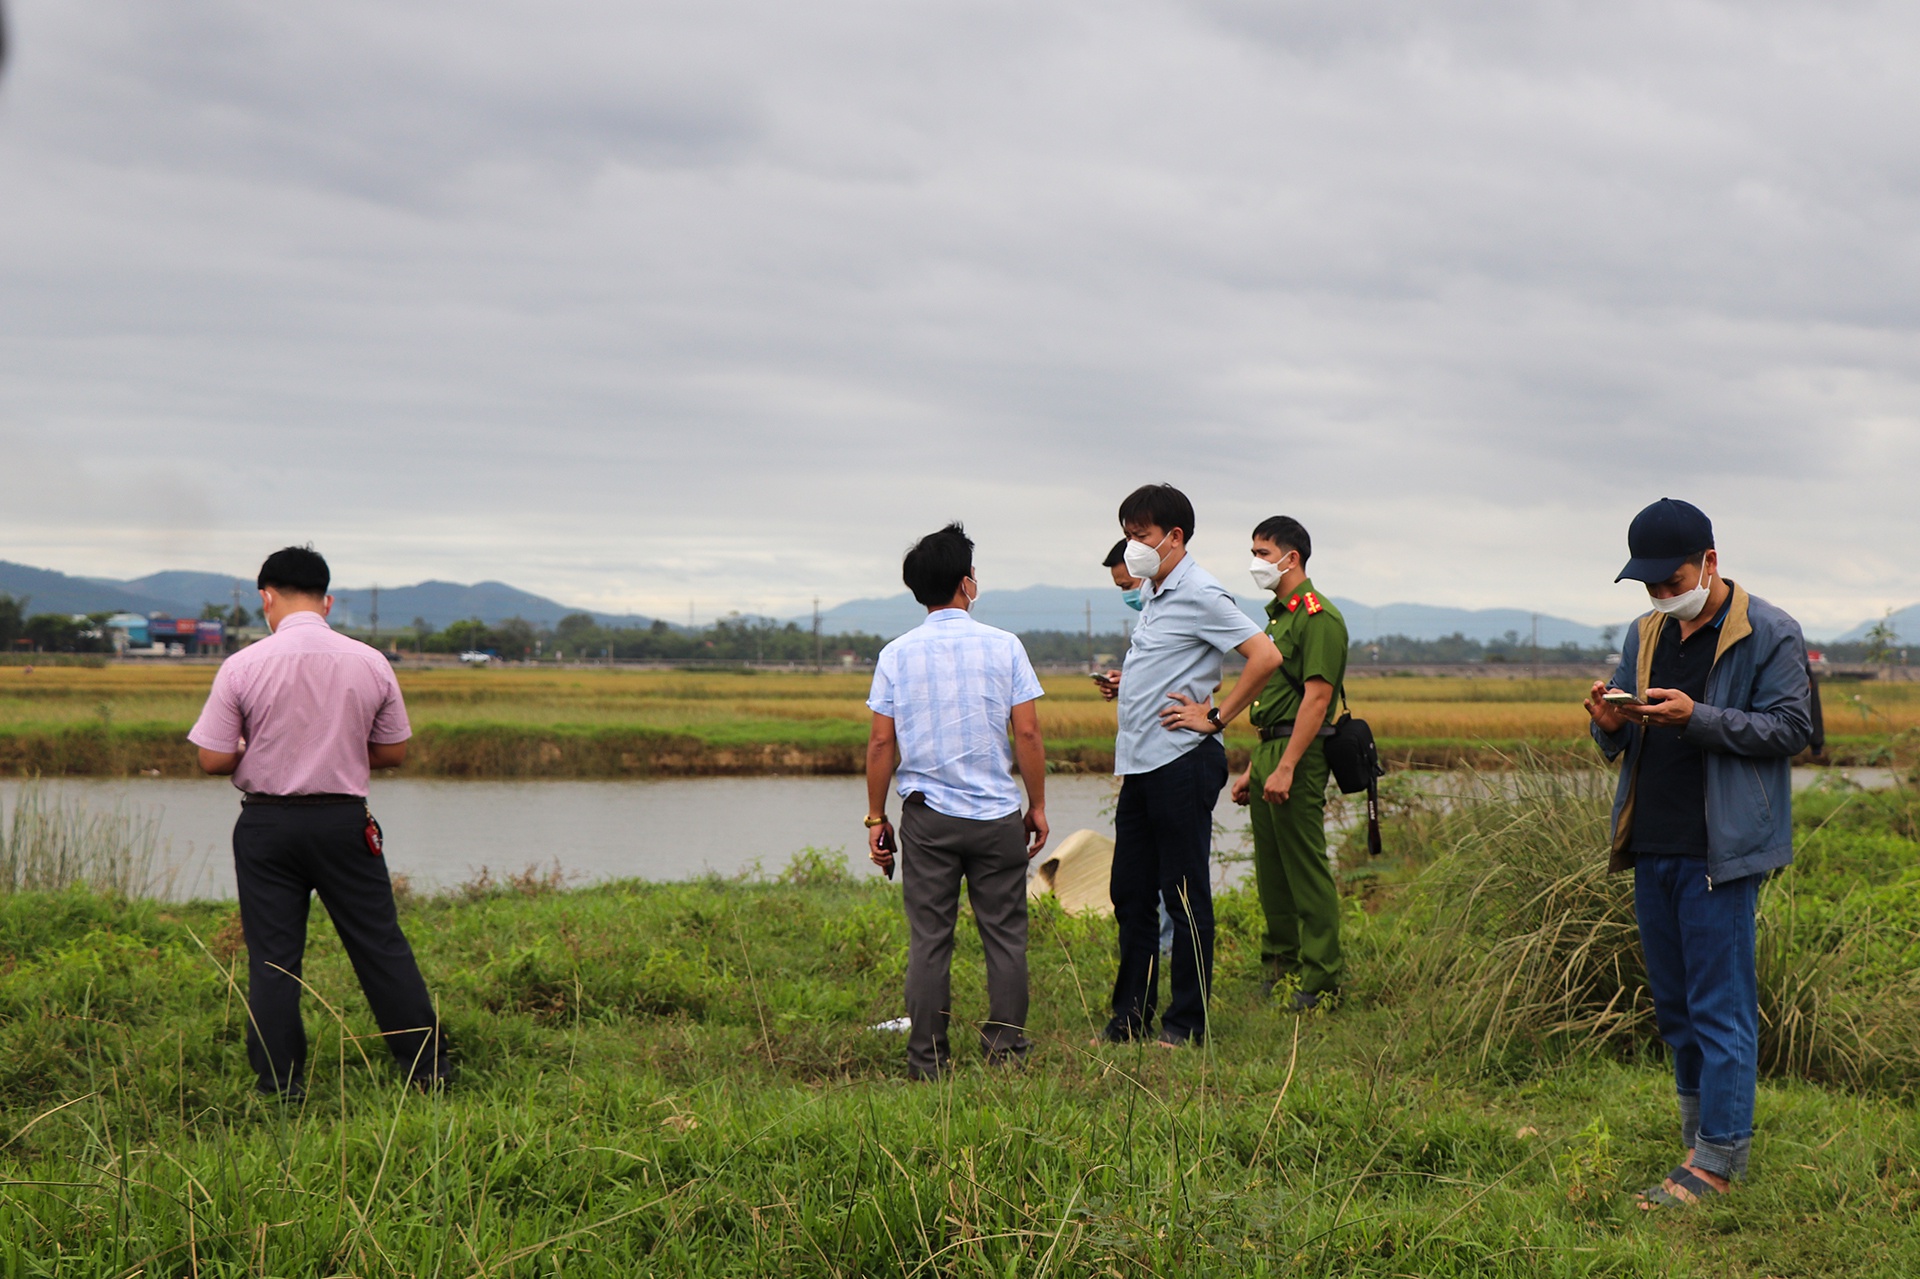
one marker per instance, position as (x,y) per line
(1171,776)
(1702,815)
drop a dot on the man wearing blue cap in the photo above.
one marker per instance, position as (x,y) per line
(1701,816)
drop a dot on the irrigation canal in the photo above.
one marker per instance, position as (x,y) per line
(442,833)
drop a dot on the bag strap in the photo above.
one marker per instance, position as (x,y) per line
(1374,847)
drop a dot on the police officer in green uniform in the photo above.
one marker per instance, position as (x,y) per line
(1286,783)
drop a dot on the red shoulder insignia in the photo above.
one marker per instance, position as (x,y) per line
(1293,604)
(1313,604)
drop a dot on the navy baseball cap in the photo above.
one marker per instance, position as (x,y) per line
(1663,537)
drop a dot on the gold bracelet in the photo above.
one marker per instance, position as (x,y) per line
(871,822)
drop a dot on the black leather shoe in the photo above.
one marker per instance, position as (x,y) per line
(1306,1001)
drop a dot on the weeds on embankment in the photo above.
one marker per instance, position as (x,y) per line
(1521,944)
(681,1079)
(49,844)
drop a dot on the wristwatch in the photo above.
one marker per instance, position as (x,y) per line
(871,822)
(1213,718)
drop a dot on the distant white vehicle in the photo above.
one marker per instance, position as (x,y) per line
(473,657)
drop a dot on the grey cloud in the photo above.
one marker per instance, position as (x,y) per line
(630,303)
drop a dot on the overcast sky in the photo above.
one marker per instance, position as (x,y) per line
(634,304)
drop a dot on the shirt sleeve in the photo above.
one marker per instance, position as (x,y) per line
(221,722)
(1323,650)
(1026,685)
(1222,624)
(390,720)
(880,699)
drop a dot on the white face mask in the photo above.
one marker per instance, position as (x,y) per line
(1143,561)
(1686,605)
(1265,573)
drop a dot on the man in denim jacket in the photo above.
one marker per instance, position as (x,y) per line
(1702,814)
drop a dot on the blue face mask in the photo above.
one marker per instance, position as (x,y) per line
(1131,598)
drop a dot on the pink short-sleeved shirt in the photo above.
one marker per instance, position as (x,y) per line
(306,700)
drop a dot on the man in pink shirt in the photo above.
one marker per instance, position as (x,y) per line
(298,721)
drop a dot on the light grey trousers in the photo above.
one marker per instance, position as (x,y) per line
(936,853)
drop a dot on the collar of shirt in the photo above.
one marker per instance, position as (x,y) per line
(1172,580)
(1279,603)
(1725,607)
(305,617)
(948,615)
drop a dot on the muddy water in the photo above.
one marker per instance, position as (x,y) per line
(443,833)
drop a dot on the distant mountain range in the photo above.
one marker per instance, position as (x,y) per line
(1057,608)
(1032,608)
(183,594)
(1905,623)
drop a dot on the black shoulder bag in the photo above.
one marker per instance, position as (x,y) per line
(1354,760)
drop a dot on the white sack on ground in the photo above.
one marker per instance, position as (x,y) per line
(1077,873)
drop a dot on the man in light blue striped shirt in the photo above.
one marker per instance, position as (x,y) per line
(944,696)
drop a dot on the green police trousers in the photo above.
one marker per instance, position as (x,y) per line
(1290,870)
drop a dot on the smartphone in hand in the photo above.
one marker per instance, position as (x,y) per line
(1621,697)
(887,846)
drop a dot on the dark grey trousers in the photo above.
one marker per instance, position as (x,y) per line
(936,853)
(281,857)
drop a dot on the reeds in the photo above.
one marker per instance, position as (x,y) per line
(1516,945)
(49,843)
(1516,933)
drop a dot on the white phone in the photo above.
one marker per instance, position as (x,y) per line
(1621,697)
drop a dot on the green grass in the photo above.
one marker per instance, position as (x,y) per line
(679,1079)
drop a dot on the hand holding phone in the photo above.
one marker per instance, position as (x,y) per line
(1621,697)
(884,842)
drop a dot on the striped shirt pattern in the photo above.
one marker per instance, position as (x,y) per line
(950,685)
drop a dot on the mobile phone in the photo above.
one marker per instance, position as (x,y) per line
(1621,697)
(886,846)
(1103,679)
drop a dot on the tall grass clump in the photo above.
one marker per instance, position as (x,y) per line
(1514,935)
(1516,948)
(49,843)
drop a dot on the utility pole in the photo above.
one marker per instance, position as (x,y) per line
(1089,604)
(1536,646)
(373,617)
(816,635)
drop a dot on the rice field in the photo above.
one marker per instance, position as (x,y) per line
(1425,720)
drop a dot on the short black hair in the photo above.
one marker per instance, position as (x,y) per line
(1161,505)
(1117,556)
(937,564)
(1286,533)
(297,570)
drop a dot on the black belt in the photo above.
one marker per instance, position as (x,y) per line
(301,801)
(1284,729)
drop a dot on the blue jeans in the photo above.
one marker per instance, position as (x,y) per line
(1162,845)
(1698,941)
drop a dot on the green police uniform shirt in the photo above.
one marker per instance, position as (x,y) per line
(1312,639)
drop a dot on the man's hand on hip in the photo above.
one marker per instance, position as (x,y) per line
(1187,714)
(1665,708)
(1037,831)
